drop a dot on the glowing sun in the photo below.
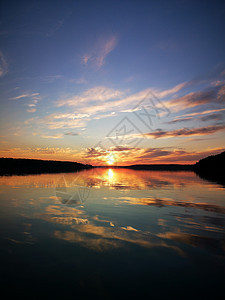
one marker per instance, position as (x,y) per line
(110,160)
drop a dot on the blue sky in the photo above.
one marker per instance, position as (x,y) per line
(72,72)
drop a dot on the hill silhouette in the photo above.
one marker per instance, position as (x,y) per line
(10,166)
(212,168)
(162,167)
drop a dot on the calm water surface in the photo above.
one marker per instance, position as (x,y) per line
(112,233)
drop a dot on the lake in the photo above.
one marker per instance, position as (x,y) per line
(112,233)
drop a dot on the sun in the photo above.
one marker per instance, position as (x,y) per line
(110,160)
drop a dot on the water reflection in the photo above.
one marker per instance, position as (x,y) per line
(153,216)
(72,193)
(115,178)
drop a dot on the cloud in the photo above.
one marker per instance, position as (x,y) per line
(51,153)
(131,155)
(69,116)
(185,132)
(157,152)
(180,120)
(129,79)
(34,97)
(86,58)
(55,28)
(118,148)
(193,99)
(52,78)
(204,112)
(80,80)
(25,95)
(97,56)
(163,155)
(136,155)
(55,136)
(213,117)
(57,121)
(101,100)
(71,133)
(95,152)
(3,65)
(172,90)
(221,94)
(31,110)
(92,99)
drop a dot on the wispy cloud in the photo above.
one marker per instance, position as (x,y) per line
(212,117)
(31,110)
(184,132)
(33,100)
(3,65)
(179,120)
(57,121)
(194,99)
(101,101)
(204,112)
(93,99)
(55,27)
(41,152)
(97,56)
(52,78)
(68,116)
(55,136)
(71,133)
(173,90)
(201,117)
(25,95)
(80,80)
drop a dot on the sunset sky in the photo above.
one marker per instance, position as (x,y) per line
(112,82)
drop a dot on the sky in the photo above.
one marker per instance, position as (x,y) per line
(112,82)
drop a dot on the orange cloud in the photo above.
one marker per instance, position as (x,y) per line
(124,156)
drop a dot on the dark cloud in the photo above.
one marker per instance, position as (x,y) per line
(118,148)
(150,153)
(94,152)
(195,98)
(174,155)
(209,96)
(159,133)
(71,133)
(213,117)
(180,120)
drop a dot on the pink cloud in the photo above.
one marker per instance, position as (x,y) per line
(97,56)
